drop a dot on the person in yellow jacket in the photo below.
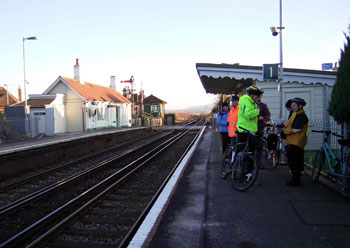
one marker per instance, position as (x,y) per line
(296,130)
(232,119)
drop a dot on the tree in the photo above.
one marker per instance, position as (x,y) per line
(339,106)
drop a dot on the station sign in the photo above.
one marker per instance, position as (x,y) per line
(270,72)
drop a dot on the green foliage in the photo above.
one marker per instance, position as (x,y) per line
(218,103)
(339,106)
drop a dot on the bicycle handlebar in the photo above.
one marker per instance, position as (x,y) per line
(247,131)
(328,132)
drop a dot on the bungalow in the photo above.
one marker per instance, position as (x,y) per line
(88,106)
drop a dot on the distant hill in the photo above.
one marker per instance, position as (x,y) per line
(194,109)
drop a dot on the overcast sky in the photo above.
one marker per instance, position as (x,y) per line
(159,41)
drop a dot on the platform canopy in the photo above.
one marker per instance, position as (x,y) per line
(233,78)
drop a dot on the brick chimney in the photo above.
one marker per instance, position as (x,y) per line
(112,85)
(77,71)
(19,94)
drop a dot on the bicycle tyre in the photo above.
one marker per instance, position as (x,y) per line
(317,165)
(276,157)
(241,180)
(343,182)
(226,163)
(225,168)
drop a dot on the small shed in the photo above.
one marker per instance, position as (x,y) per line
(154,109)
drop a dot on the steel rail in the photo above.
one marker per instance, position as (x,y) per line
(64,165)
(7,209)
(35,227)
(73,216)
(127,239)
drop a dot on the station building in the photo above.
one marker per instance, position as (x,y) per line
(315,86)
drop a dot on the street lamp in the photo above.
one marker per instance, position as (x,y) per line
(25,82)
(275,31)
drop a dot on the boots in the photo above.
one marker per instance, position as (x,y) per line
(295,181)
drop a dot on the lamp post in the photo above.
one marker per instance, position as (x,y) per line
(24,84)
(275,31)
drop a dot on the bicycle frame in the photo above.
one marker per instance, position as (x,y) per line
(330,155)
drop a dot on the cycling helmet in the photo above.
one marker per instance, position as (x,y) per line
(299,100)
(288,103)
(254,90)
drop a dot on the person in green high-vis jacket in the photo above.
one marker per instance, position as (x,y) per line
(248,115)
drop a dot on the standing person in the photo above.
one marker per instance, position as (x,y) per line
(296,139)
(289,108)
(248,115)
(264,116)
(232,120)
(223,125)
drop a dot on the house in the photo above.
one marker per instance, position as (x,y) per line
(154,109)
(88,106)
(6,98)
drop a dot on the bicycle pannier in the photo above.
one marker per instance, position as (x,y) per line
(272,141)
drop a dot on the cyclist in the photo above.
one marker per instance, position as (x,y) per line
(248,114)
(296,138)
(232,119)
(222,122)
(288,107)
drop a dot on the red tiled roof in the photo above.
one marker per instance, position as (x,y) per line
(153,100)
(36,103)
(96,92)
(3,97)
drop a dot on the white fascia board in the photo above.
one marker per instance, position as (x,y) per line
(60,79)
(230,72)
(237,73)
(309,78)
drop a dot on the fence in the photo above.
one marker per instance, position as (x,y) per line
(13,129)
(315,140)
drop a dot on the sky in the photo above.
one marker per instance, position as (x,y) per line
(159,42)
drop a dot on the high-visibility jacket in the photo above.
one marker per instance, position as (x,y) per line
(232,121)
(247,114)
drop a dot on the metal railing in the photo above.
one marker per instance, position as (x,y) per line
(315,140)
(12,129)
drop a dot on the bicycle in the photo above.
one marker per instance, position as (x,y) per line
(244,169)
(228,159)
(339,166)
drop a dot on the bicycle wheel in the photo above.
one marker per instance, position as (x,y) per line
(226,163)
(343,181)
(317,165)
(276,158)
(244,172)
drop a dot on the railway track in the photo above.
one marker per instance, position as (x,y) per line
(56,206)
(15,191)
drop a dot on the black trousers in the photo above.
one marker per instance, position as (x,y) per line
(242,138)
(295,156)
(225,140)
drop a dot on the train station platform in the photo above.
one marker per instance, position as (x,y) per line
(199,209)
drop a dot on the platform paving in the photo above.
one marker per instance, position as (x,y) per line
(205,211)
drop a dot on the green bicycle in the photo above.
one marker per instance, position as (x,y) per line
(339,166)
